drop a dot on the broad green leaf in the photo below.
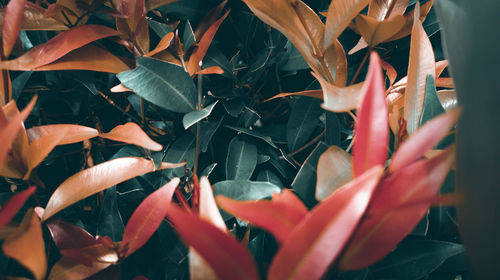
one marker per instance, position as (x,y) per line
(131,133)
(162,84)
(372,130)
(432,104)
(109,222)
(321,236)
(27,246)
(58,46)
(13,205)
(267,175)
(421,65)
(340,14)
(147,218)
(193,117)
(98,178)
(160,29)
(305,180)
(294,60)
(241,159)
(303,120)
(244,189)
(207,131)
(416,258)
(182,149)
(334,170)
(188,36)
(13,18)
(253,133)
(214,57)
(279,216)
(227,257)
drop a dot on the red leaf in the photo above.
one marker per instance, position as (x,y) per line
(388,220)
(317,241)
(58,46)
(278,216)
(10,208)
(227,257)
(147,218)
(13,18)
(372,130)
(423,139)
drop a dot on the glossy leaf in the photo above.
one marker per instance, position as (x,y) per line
(227,257)
(372,130)
(432,105)
(162,45)
(147,218)
(162,84)
(13,205)
(241,159)
(254,133)
(182,149)
(302,122)
(317,241)
(340,14)
(58,46)
(423,139)
(244,189)
(339,99)
(388,220)
(334,170)
(193,117)
(36,20)
(98,178)
(73,133)
(27,246)
(420,66)
(110,222)
(318,94)
(375,32)
(210,70)
(13,18)
(448,99)
(131,133)
(278,216)
(384,9)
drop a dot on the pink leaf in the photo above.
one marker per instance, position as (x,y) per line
(12,206)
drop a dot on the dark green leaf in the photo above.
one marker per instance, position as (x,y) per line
(162,84)
(193,117)
(19,83)
(207,131)
(188,36)
(267,175)
(294,61)
(432,105)
(234,106)
(261,59)
(182,149)
(241,159)
(253,133)
(248,117)
(332,126)
(160,29)
(215,57)
(245,190)
(110,221)
(303,121)
(208,170)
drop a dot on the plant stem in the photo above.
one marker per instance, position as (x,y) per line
(365,58)
(198,107)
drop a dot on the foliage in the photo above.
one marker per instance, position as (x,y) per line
(324,163)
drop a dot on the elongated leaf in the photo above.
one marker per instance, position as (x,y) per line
(89,57)
(334,170)
(73,133)
(375,32)
(162,84)
(10,208)
(339,99)
(317,241)
(423,140)
(388,220)
(279,216)
(253,133)
(432,105)
(318,94)
(162,45)
(207,131)
(27,247)
(340,14)
(147,218)
(35,20)
(153,4)
(98,178)
(182,149)
(210,70)
(12,21)
(420,66)
(241,159)
(372,130)
(448,99)
(384,9)
(227,257)
(302,121)
(193,117)
(67,268)
(131,133)
(58,46)
(110,221)
(244,189)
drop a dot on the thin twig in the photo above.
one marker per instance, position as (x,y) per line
(198,107)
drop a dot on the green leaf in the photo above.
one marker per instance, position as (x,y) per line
(208,170)
(245,190)
(241,159)
(432,105)
(234,106)
(305,181)
(193,117)
(294,61)
(159,28)
(110,222)
(188,36)
(332,126)
(303,121)
(214,57)
(248,117)
(416,259)
(253,133)
(267,175)
(182,149)
(162,84)
(19,83)
(207,131)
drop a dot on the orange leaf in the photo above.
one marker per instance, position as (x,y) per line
(375,32)
(210,70)
(10,208)
(390,72)
(339,99)
(12,21)
(445,82)
(67,268)
(91,58)
(227,257)
(340,14)
(147,217)
(448,99)
(119,88)
(420,66)
(372,130)
(98,178)
(334,170)
(131,133)
(36,20)
(318,94)
(58,46)
(74,133)
(162,45)
(387,221)
(27,246)
(278,216)
(336,62)
(384,9)
(317,241)
(208,20)
(423,139)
